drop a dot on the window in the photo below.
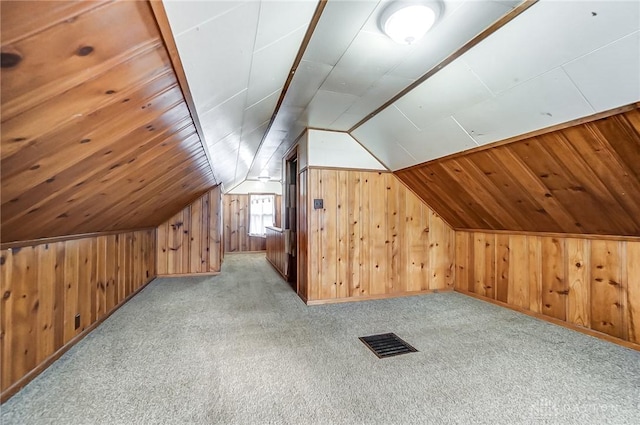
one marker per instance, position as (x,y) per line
(261,213)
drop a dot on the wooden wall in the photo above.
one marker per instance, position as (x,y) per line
(190,241)
(590,283)
(45,286)
(276,249)
(373,238)
(236,224)
(584,179)
(96,133)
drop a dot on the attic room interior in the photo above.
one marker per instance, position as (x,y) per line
(206,206)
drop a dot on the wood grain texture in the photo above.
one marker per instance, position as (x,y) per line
(276,250)
(45,286)
(236,224)
(587,283)
(373,238)
(189,242)
(558,182)
(96,135)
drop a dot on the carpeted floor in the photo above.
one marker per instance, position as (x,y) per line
(241,348)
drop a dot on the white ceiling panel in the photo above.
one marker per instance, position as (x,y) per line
(217,55)
(224,119)
(326,107)
(437,139)
(383,135)
(541,102)
(455,87)
(548,35)
(280,18)
(340,23)
(308,79)
(258,113)
(186,14)
(610,76)
(271,65)
(456,29)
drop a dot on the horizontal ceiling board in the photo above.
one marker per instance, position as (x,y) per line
(384,135)
(557,182)
(309,77)
(259,113)
(609,76)
(340,23)
(271,65)
(217,55)
(326,107)
(454,88)
(220,121)
(278,19)
(544,101)
(437,139)
(188,14)
(548,35)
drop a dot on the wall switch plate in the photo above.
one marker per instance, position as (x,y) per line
(77,321)
(317,204)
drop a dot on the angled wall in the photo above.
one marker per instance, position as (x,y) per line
(584,179)
(55,293)
(96,133)
(190,242)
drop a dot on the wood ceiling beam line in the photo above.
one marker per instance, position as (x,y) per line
(166,33)
(508,17)
(303,47)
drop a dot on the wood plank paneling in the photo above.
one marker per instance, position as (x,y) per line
(391,242)
(96,131)
(189,242)
(559,182)
(276,249)
(587,283)
(45,286)
(236,224)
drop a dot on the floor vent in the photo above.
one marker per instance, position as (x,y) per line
(387,345)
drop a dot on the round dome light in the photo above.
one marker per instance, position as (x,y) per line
(406,23)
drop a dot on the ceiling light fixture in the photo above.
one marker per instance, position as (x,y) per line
(406,22)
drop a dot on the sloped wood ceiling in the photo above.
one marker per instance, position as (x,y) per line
(583,179)
(96,134)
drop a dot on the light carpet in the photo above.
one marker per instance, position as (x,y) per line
(241,348)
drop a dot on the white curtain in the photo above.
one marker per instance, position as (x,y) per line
(262,213)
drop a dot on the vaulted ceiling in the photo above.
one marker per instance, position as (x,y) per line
(115,114)
(487,71)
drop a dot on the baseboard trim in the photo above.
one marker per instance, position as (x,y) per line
(189,274)
(277,269)
(22,382)
(573,327)
(375,297)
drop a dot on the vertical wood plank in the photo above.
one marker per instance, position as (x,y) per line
(377,235)
(328,234)
(633,291)
(464,264)
(578,281)
(519,276)
(606,287)
(6,318)
(355,224)
(554,284)
(535,275)
(71,288)
(195,222)
(417,233)
(46,282)
(502,268)
(342,234)
(101,281)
